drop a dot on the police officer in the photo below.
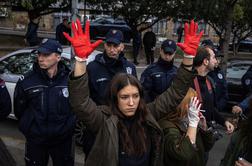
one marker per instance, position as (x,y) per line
(219,80)
(42,107)
(106,65)
(157,77)
(5,101)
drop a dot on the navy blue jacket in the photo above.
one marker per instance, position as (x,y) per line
(247,80)
(41,104)
(32,34)
(5,101)
(156,78)
(102,70)
(221,91)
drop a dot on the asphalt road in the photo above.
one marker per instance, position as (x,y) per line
(14,141)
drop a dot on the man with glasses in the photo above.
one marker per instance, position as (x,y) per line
(158,76)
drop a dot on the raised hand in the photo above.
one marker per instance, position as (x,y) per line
(193,113)
(191,40)
(81,41)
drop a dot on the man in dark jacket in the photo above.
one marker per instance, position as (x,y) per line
(217,75)
(158,77)
(5,101)
(137,43)
(42,108)
(205,62)
(62,27)
(149,41)
(31,36)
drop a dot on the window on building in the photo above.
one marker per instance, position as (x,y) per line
(160,27)
(201,26)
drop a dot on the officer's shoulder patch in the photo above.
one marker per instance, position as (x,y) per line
(220,76)
(129,70)
(247,82)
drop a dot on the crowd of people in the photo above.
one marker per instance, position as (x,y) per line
(164,118)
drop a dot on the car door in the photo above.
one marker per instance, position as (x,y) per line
(12,68)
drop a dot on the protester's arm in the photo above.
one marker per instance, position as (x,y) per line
(193,118)
(177,145)
(169,100)
(85,109)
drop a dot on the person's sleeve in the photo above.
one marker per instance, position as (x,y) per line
(171,98)
(5,102)
(20,100)
(146,82)
(82,105)
(245,103)
(176,145)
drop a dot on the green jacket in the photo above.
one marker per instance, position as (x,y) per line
(103,123)
(238,147)
(178,149)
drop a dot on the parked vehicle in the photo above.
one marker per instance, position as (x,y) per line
(235,70)
(245,45)
(15,64)
(100,27)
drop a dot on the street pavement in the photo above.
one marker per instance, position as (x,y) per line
(15,143)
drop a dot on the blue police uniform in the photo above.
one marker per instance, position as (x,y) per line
(102,70)
(156,78)
(42,107)
(221,91)
(247,80)
(5,101)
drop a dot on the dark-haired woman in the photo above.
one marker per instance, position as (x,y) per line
(127,133)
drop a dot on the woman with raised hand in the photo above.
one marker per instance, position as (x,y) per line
(127,133)
(186,138)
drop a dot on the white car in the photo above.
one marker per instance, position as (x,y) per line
(15,64)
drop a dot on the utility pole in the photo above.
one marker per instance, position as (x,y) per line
(74,10)
(74,13)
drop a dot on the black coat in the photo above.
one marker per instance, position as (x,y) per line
(102,70)
(41,104)
(5,101)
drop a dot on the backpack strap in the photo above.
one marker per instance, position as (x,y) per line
(197,87)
